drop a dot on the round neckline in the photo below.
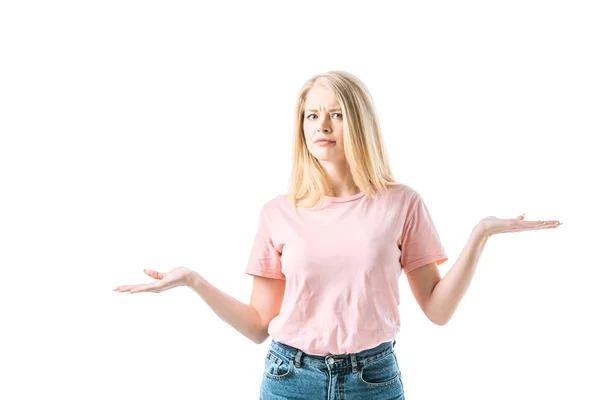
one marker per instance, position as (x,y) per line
(344,199)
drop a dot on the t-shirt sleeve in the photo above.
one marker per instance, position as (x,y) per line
(265,259)
(420,243)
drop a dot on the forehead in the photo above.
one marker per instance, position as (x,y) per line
(321,96)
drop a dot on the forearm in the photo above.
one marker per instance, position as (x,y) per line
(449,291)
(240,316)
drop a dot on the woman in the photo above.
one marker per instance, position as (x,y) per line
(327,257)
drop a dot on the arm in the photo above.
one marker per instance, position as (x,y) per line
(251,320)
(439,298)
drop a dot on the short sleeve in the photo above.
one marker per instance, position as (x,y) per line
(265,259)
(420,243)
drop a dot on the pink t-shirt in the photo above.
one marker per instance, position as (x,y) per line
(341,265)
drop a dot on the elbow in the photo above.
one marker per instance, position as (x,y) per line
(259,340)
(260,336)
(437,315)
(437,320)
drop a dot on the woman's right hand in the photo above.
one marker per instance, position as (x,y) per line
(179,276)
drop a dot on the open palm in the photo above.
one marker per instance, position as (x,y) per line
(176,277)
(492,225)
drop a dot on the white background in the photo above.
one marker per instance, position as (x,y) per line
(145,134)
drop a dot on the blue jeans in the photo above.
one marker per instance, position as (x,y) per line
(291,374)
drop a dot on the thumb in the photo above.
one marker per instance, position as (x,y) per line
(154,274)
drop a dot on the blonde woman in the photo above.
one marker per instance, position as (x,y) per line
(328,254)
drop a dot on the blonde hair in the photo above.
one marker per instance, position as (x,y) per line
(363,144)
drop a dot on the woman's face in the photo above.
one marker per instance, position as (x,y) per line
(323,120)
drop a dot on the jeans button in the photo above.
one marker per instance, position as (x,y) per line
(331,361)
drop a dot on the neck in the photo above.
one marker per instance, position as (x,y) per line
(339,181)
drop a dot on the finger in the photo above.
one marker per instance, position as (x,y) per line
(154,274)
(130,288)
(549,223)
(546,224)
(124,288)
(143,288)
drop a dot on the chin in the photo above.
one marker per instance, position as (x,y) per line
(330,159)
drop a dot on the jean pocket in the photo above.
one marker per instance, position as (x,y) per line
(381,372)
(277,366)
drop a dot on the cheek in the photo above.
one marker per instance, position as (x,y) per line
(307,142)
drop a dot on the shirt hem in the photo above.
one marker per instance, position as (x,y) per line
(441,257)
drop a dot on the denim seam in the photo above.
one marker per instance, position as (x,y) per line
(279,361)
(377,384)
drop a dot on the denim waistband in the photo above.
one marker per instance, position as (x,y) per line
(338,361)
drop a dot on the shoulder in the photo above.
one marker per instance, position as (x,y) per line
(272,204)
(402,192)
(404,198)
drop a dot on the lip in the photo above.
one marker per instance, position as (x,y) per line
(324,141)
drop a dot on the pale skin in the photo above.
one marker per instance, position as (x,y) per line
(438,297)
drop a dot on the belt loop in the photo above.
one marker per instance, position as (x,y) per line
(298,358)
(354,363)
(393,345)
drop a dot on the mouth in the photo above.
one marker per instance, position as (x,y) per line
(324,143)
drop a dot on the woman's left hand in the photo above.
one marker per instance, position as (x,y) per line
(179,276)
(491,225)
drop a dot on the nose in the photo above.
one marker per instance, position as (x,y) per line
(324,126)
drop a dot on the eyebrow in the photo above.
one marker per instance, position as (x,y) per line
(333,109)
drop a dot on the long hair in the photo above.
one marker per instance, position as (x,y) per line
(364,149)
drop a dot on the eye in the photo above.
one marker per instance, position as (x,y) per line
(310,115)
